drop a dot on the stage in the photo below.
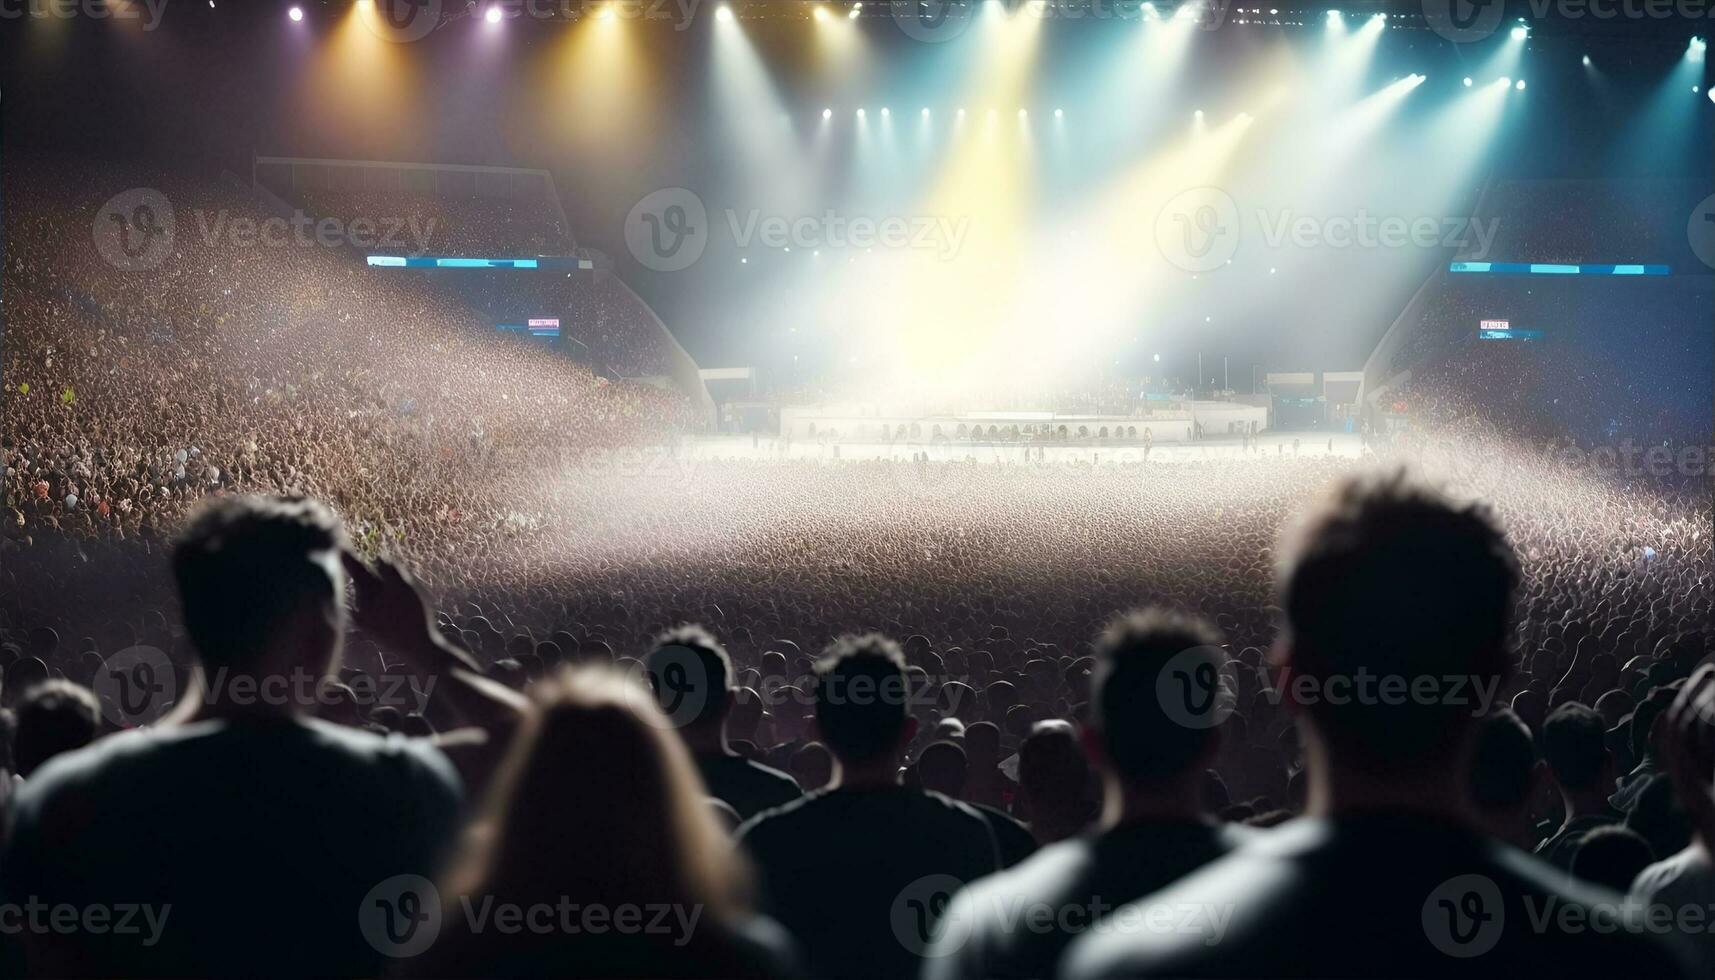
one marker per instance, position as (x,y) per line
(1265,446)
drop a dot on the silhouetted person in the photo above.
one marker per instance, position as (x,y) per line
(1611,856)
(261,827)
(54,717)
(941,769)
(1574,741)
(1054,782)
(1386,873)
(1505,777)
(1152,829)
(859,871)
(691,675)
(597,808)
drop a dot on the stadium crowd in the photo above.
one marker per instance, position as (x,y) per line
(913,709)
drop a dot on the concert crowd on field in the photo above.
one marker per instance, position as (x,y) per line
(945,719)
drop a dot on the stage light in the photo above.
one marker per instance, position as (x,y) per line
(723,13)
(1712,95)
(1023,114)
(1158,358)
(492,16)
(827,113)
(1519,85)
(860,113)
(1467,81)
(1186,12)
(925,112)
(1586,61)
(1059,113)
(853,15)
(296,13)
(1520,32)
(885,113)
(1333,15)
(1198,114)
(1504,82)
(1149,11)
(821,13)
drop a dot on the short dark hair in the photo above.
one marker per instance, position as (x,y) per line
(244,564)
(1387,576)
(695,650)
(1141,740)
(942,764)
(1575,743)
(862,697)
(1502,761)
(53,717)
(1611,856)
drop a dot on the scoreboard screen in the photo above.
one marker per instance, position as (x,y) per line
(1503,330)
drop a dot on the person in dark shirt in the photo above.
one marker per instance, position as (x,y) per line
(860,871)
(241,834)
(1152,830)
(1387,875)
(1574,740)
(941,769)
(691,675)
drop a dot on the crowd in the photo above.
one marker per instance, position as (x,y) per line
(983,713)
(244,366)
(1613,361)
(856,717)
